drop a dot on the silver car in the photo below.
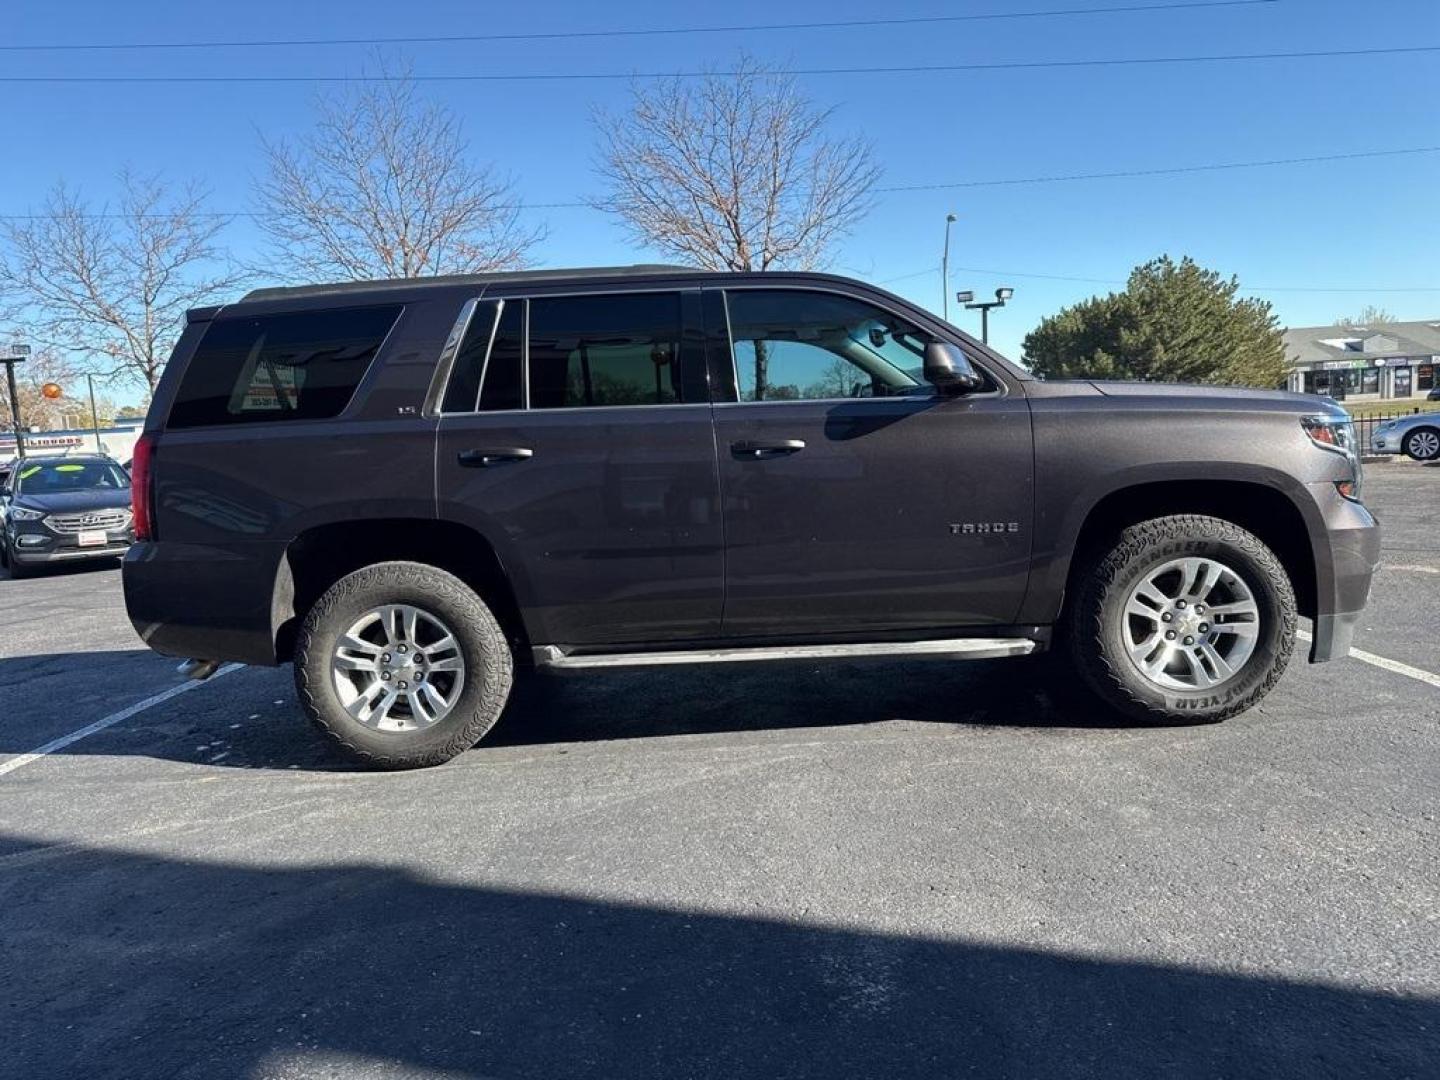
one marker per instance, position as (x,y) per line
(1417,436)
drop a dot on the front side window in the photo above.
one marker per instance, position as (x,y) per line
(301,366)
(792,345)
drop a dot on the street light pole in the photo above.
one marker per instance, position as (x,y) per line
(945,270)
(10,355)
(94,415)
(1002,294)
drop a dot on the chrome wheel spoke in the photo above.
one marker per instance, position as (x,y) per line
(1238,607)
(1209,578)
(355,660)
(1146,590)
(1142,610)
(1220,669)
(398,668)
(439,648)
(1239,629)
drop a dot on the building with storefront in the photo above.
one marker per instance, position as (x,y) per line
(1388,360)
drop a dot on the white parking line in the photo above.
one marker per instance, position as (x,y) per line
(21,760)
(1386,664)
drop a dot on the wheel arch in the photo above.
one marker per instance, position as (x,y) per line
(1261,508)
(322,555)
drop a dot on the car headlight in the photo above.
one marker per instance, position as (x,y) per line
(1337,434)
(20,513)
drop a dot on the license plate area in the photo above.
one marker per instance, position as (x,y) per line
(92,538)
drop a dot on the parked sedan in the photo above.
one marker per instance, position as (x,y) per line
(1416,436)
(64,509)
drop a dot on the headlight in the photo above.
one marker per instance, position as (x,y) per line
(19,513)
(1337,434)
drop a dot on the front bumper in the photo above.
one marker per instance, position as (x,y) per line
(31,543)
(1386,442)
(1347,555)
(33,558)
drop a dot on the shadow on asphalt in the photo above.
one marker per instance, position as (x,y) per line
(259,732)
(130,965)
(64,569)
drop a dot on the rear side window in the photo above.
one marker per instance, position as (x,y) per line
(302,366)
(605,350)
(577,351)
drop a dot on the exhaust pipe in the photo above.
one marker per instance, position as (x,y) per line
(199,670)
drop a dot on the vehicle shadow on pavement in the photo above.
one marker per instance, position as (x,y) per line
(1024,693)
(62,569)
(251,720)
(135,965)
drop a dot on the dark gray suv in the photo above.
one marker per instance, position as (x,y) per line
(409,488)
(67,509)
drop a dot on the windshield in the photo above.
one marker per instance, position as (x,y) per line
(50,477)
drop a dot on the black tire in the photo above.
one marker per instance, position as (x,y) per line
(1095,625)
(489,665)
(1417,455)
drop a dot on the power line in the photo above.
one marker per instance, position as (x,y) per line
(593,76)
(1215,167)
(901,188)
(1114,281)
(554,35)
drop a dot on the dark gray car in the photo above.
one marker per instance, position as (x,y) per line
(410,488)
(63,509)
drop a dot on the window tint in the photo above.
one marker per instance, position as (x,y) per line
(304,366)
(505,371)
(792,345)
(605,350)
(463,389)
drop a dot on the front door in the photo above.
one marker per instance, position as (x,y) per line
(576,438)
(857,500)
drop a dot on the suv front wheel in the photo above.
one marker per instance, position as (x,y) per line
(1187,619)
(402,665)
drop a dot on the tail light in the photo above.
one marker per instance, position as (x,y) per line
(141,485)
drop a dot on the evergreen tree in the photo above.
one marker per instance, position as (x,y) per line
(1174,322)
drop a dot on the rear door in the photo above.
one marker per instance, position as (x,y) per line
(857,499)
(575,436)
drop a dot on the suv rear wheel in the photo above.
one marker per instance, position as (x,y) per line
(1187,619)
(402,665)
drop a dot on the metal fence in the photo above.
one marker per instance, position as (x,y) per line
(1365,425)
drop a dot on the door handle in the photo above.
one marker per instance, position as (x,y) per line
(484,459)
(747,448)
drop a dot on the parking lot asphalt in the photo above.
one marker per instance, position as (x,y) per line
(777,871)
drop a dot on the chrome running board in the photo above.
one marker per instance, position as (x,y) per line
(556,656)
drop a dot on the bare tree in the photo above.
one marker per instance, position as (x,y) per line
(383,187)
(733,172)
(36,410)
(1370,315)
(111,289)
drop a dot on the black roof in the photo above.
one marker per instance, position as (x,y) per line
(590,273)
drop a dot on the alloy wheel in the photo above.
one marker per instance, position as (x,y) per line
(398,668)
(1191,624)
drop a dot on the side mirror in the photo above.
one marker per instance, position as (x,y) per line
(949,370)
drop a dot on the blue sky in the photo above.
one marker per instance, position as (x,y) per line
(1366,225)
